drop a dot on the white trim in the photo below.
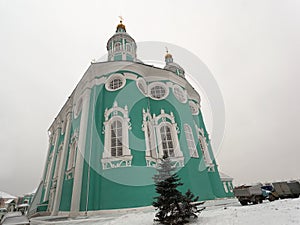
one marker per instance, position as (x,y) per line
(112,78)
(204,148)
(142,82)
(158,84)
(77,183)
(179,93)
(111,115)
(194,108)
(160,121)
(190,141)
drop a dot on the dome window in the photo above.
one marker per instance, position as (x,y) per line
(158,90)
(179,93)
(128,47)
(118,47)
(115,82)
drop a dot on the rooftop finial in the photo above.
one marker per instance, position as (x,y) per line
(168,56)
(121,26)
(121,19)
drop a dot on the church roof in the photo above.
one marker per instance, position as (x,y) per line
(6,195)
(225,177)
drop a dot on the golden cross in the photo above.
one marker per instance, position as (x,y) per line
(121,19)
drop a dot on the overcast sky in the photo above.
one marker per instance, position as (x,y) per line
(251,47)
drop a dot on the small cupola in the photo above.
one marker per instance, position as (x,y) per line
(172,66)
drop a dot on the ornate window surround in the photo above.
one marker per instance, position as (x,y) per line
(57,162)
(73,148)
(150,139)
(190,141)
(121,114)
(160,85)
(117,47)
(157,122)
(204,148)
(142,85)
(179,93)
(114,77)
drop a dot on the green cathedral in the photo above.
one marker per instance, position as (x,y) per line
(119,121)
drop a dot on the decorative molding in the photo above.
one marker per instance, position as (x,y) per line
(117,77)
(142,86)
(115,162)
(179,93)
(194,108)
(154,150)
(158,90)
(112,115)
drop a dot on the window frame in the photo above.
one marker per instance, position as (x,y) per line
(112,78)
(190,141)
(179,93)
(158,84)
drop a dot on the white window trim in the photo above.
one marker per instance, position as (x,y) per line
(111,78)
(73,149)
(156,122)
(119,46)
(204,149)
(183,92)
(144,84)
(160,121)
(161,84)
(192,148)
(109,161)
(57,162)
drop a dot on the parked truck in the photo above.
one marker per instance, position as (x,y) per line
(249,194)
(285,189)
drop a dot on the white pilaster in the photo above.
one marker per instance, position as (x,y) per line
(48,181)
(61,171)
(77,184)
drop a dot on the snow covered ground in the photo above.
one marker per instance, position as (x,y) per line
(218,212)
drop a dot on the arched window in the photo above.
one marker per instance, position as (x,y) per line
(58,158)
(190,141)
(204,149)
(161,136)
(167,141)
(116,147)
(116,138)
(128,47)
(118,47)
(72,155)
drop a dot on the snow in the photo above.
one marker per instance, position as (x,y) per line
(217,212)
(5,195)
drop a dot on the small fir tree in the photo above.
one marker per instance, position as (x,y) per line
(174,208)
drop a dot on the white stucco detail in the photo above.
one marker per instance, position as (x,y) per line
(76,193)
(119,115)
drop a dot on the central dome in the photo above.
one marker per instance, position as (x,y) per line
(121,46)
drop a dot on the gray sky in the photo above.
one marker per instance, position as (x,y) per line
(251,47)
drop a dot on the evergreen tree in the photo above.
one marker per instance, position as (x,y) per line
(174,208)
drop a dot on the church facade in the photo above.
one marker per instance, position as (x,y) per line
(122,117)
